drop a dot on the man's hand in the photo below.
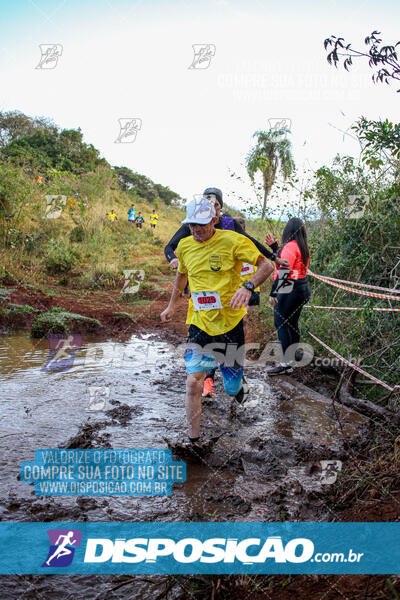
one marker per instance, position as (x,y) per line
(273,300)
(282,262)
(270,240)
(241,298)
(174,263)
(167,314)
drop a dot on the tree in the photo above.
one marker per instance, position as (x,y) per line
(381,58)
(272,152)
(49,148)
(14,124)
(380,142)
(166,194)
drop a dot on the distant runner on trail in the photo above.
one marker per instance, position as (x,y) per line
(290,291)
(139,221)
(112,216)
(153,219)
(224,221)
(212,260)
(132,214)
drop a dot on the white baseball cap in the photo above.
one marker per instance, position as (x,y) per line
(200,211)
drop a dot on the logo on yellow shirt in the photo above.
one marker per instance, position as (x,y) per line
(215,262)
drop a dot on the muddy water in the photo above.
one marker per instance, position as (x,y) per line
(264,460)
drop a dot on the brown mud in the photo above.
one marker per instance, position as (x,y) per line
(263,459)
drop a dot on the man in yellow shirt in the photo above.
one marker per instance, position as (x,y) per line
(153,219)
(212,260)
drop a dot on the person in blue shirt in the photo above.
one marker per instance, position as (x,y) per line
(132,214)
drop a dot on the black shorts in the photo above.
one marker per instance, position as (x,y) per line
(200,337)
(254,299)
(233,339)
(229,355)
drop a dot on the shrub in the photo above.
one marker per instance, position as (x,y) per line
(60,258)
(77,234)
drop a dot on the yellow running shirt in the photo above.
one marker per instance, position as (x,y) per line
(215,265)
(154,219)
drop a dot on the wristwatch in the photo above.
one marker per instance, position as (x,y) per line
(274,256)
(249,286)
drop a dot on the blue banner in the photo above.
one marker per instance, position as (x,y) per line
(192,548)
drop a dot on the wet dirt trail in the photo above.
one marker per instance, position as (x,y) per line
(263,465)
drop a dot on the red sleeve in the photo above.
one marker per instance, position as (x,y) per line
(290,252)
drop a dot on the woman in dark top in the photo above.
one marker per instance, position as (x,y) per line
(289,293)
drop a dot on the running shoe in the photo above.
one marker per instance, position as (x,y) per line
(281,369)
(243,393)
(208,389)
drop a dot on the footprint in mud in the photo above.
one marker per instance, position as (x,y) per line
(124,413)
(88,436)
(195,452)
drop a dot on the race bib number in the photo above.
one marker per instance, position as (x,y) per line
(206,300)
(246,269)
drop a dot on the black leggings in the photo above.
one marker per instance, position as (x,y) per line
(287,313)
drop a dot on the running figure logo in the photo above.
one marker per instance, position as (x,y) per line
(98,397)
(50,55)
(128,129)
(285,285)
(62,351)
(130,277)
(330,470)
(62,547)
(203,54)
(280,127)
(54,206)
(202,209)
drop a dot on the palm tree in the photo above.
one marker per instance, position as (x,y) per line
(272,151)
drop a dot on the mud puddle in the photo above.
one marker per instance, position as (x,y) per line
(264,465)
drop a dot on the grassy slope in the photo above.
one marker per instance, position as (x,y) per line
(105,248)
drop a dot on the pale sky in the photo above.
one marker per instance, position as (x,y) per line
(131,59)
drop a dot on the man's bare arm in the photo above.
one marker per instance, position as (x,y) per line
(264,270)
(179,286)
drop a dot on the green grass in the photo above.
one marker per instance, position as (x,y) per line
(58,320)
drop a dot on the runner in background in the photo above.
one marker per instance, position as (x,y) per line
(290,291)
(212,261)
(139,221)
(153,219)
(112,216)
(132,214)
